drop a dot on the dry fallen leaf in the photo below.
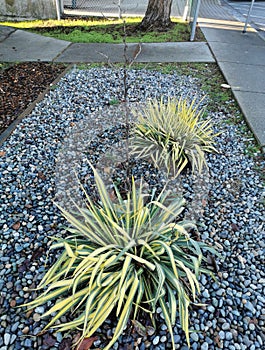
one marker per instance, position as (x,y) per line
(218,341)
(16,226)
(107,170)
(41,175)
(28,206)
(76,338)
(211,261)
(66,344)
(49,340)
(13,303)
(37,254)
(234,227)
(112,196)
(28,314)
(86,343)
(204,202)
(140,329)
(2,153)
(150,330)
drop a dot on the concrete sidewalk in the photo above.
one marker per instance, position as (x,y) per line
(241,57)
(21,46)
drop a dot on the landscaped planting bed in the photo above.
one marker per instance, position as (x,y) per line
(228,205)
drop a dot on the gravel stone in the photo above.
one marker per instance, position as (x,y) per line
(210,308)
(226,326)
(7,338)
(222,335)
(252,326)
(250,307)
(40,310)
(204,346)
(194,336)
(36,317)
(206,294)
(163,339)
(228,336)
(156,340)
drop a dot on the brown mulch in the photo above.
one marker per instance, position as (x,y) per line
(21,84)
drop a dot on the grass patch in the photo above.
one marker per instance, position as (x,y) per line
(105,31)
(4,65)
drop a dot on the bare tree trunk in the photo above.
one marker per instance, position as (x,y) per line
(157,15)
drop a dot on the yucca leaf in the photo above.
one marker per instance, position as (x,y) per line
(47,277)
(139,296)
(121,234)
(102,231)
(88,308)
(172,304)
(122,292)
(42,299)
(102,312)
(166,315)
(65,307)
(104,196)
(106,279)
(170,255)
(160,282)
(193,282)
(142,261)
(60,283)
(96,268)
(85,263)
(125,268)
(71,325)
(124,316)
(147,246)
(69,302)
(69,250)
(183,316)
(83,229)
(173,281)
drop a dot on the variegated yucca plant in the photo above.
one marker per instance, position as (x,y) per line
(123,256)
(172,134)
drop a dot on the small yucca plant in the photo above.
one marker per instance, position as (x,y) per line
(123,256)
(172,134)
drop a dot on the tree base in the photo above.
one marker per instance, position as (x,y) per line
(154,26)
(157,16)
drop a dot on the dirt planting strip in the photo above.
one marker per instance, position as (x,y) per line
(22,86)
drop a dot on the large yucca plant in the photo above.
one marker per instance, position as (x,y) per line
(123,257)
(172,134)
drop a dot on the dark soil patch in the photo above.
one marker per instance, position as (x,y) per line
(21,84)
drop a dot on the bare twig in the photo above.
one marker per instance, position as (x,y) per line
(136,53)
(108,59)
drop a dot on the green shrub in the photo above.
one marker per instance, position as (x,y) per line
(123,256)
(172,134)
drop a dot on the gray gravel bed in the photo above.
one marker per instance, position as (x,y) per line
(227,202)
